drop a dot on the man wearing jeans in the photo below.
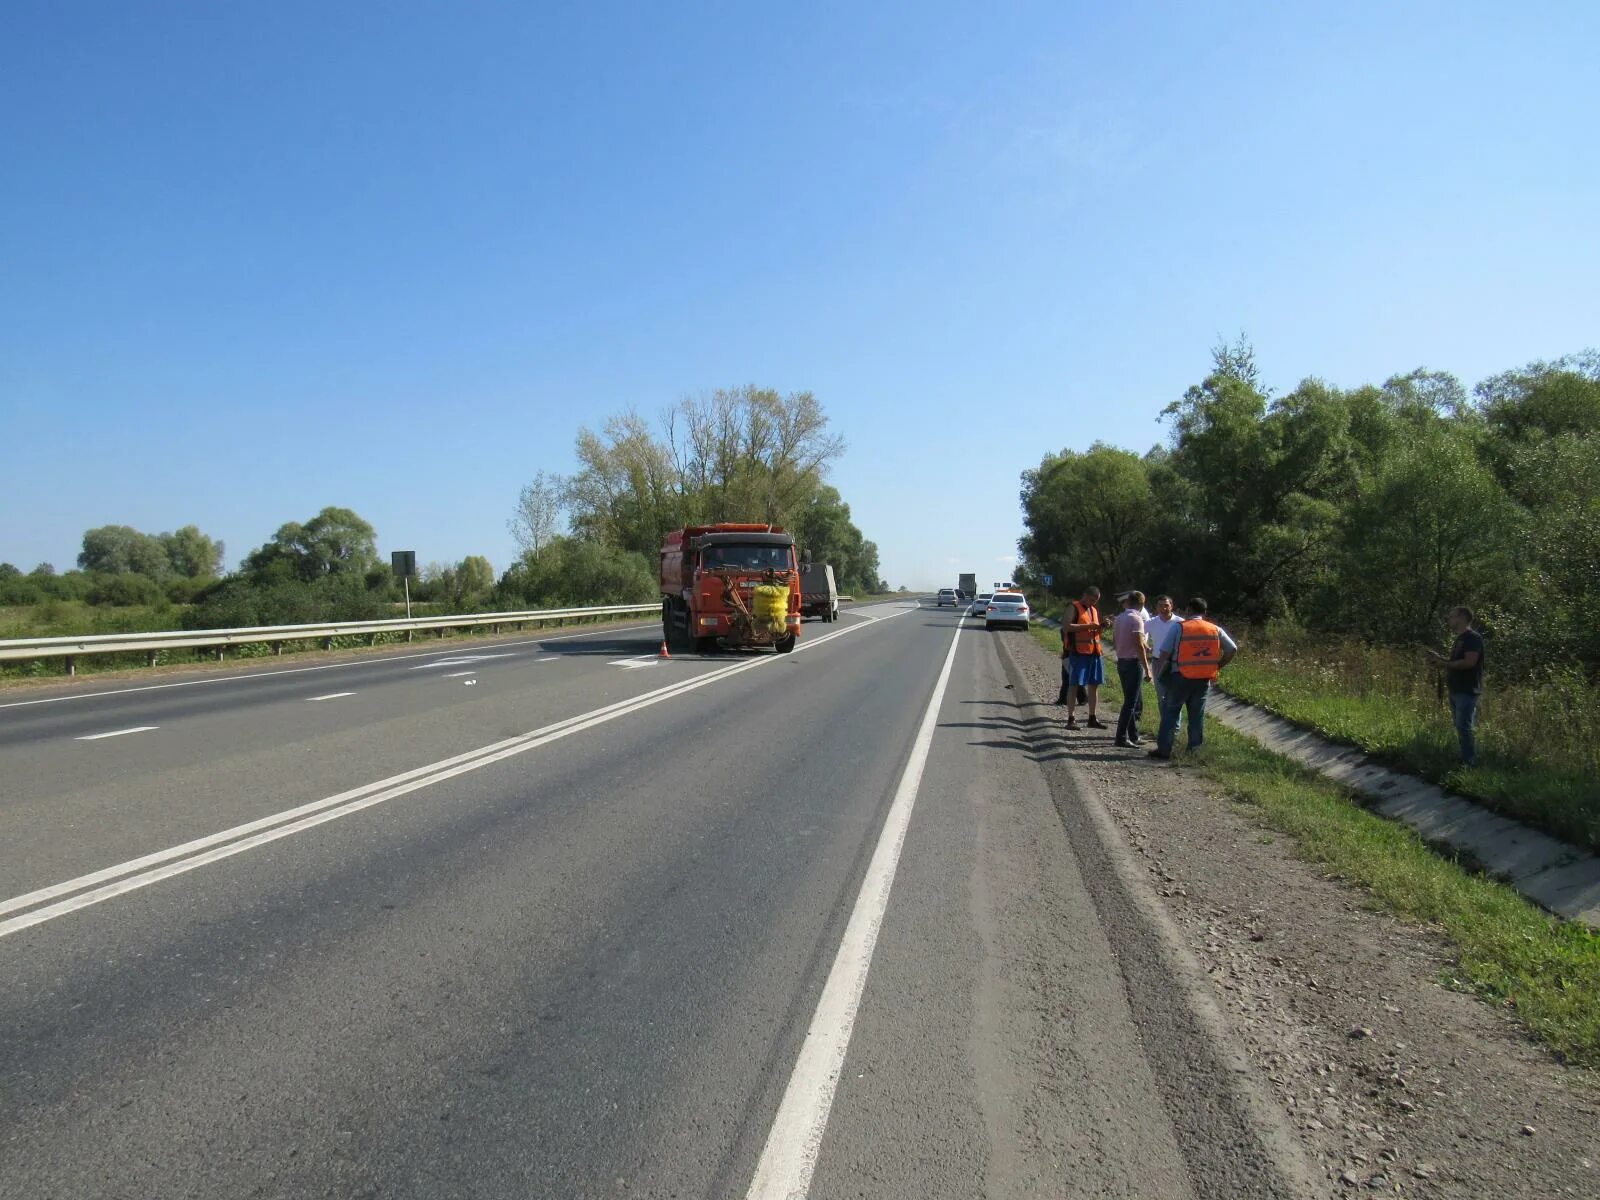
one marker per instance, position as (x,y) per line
(1133,665)
(1156,630)
(1191,656)
(1463,670)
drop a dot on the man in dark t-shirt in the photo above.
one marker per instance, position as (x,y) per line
(1463,673)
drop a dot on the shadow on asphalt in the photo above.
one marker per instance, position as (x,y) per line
(1043,738)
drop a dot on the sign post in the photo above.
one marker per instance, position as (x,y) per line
(404,564)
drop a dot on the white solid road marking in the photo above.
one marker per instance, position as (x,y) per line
(375,660)
(95,737)
(790,1156)
(333,696)
(151,868)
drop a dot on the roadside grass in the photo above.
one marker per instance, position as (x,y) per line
(1538,743)
(65,618)
(1508,951)
(1049,638)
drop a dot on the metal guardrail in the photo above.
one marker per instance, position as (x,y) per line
(25,649)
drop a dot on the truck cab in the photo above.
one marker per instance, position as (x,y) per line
(730,585)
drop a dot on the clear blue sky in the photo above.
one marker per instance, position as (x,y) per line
(257,259)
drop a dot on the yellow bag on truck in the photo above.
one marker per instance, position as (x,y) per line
(772,606)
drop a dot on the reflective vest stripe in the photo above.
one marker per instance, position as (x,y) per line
(1199,649)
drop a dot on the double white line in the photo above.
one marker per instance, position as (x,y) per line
(59,899)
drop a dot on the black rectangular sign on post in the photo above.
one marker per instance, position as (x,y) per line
(403,562)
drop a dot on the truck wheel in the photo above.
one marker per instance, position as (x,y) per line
(675,624)
(785,644)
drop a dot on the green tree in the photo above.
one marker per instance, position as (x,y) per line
(1088,517)
(462,586)
(1433,529)
(626,492)
(121,549)
(746,454)
(539,513)
(334,542)
(191,554)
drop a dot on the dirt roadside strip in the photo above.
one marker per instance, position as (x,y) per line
(1393,1082)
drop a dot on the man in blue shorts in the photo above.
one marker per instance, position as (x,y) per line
(1081,656)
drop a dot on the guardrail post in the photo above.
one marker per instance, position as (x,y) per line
(219,653)
(277,648)
(408,637)
(72,665)
(327,643)
(150,658)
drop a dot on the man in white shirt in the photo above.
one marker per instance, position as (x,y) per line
(1156,630)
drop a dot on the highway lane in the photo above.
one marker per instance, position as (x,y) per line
(588,968)
(237,749)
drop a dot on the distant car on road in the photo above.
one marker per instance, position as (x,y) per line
(981,602)
(1007,608)
(949,596)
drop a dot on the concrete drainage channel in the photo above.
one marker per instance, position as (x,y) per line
(1555,875)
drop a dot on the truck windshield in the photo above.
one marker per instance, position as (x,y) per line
(745,558)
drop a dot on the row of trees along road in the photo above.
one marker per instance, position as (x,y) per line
(120,566)
(747,454)
(1365,512)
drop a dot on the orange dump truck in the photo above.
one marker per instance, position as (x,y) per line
(730,585)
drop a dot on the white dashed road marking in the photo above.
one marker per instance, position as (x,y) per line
(95,737)
(333,696)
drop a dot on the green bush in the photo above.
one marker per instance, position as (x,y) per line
(125,590)
(183,590)
(569,572)
(239,602)
(19,590)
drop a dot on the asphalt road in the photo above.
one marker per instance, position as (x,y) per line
(555,918)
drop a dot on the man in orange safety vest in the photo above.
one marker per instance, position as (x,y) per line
(1188,659)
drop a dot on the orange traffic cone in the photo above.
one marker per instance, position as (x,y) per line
(665,653)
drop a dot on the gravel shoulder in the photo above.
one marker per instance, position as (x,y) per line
(1396,1083)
